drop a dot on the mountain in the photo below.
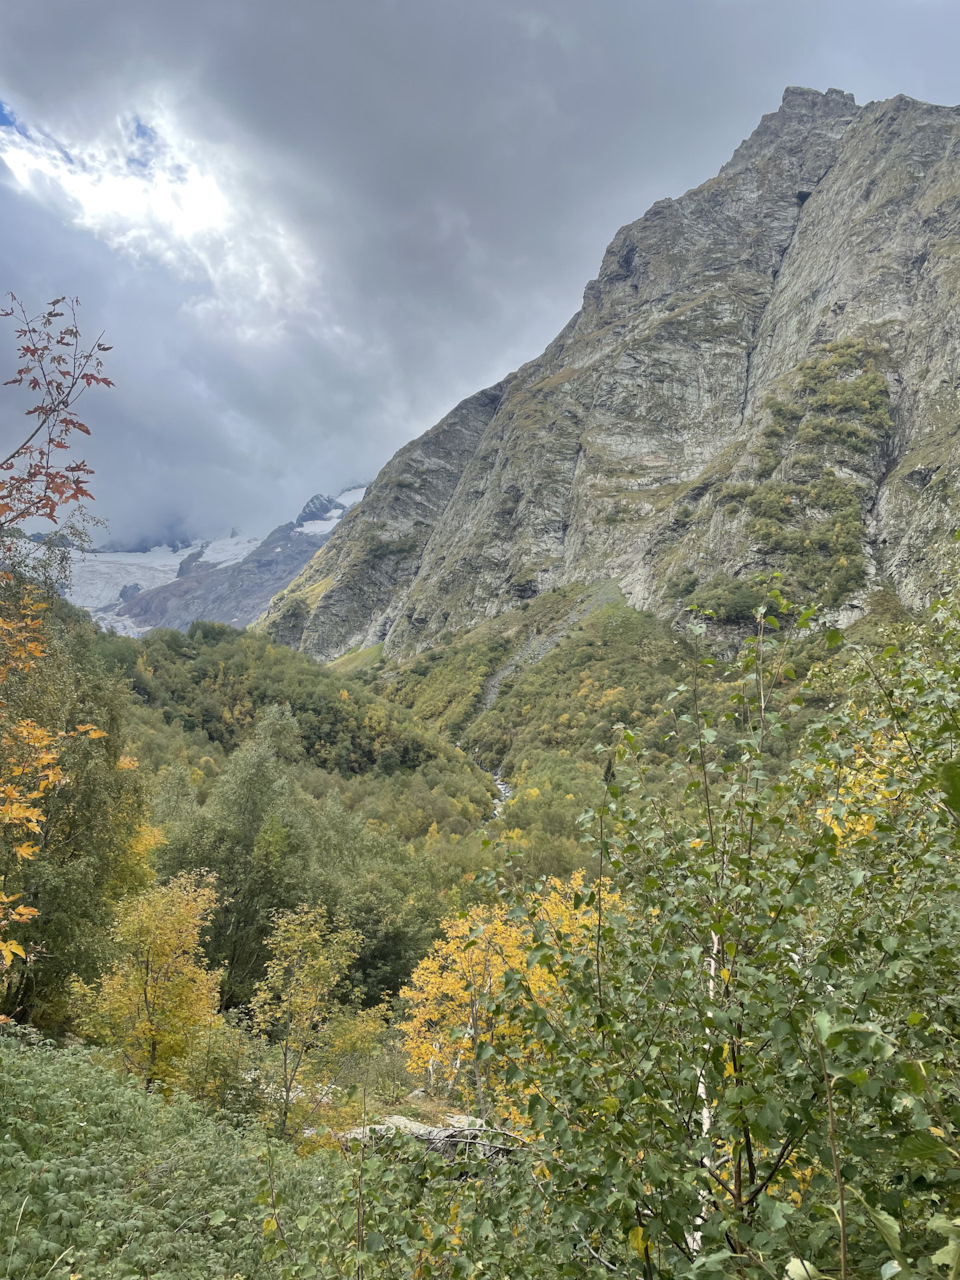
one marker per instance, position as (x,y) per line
(763,377)
(228,580)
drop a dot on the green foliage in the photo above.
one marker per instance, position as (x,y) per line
(822,556)
(301,1008)
(257,834)
(816,466)
(757,1061)
(217,679)
(834,413)
(272,846)
(683,581)
(614,669)
(403,1210)
(751,1069)
(90,851)
(99,1178)
(376,548)
(446,687)
(531,694)
(392,894)
(199,697)
(729,599)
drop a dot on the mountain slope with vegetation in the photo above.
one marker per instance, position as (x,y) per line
(746,1009)
(761,378)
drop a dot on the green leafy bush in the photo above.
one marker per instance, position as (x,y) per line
(751,1068)
(100,1179)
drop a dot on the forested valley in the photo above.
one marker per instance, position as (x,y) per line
(579,944)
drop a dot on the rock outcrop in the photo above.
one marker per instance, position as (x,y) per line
(763,377)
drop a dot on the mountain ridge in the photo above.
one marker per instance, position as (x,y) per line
(675,437)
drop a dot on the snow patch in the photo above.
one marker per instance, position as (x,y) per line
(350,497)
(98,577)
(223,551)
(102,581)
(316,528)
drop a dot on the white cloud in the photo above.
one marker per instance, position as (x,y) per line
(150,191)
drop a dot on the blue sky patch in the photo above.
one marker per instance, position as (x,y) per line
(10,120)
(143,132)
(144,142)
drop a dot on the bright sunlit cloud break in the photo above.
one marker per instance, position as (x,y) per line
(152,193)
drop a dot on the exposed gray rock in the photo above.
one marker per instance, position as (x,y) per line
(458,1134)
(234,593)
(607,456)
(317,508)
(379,544)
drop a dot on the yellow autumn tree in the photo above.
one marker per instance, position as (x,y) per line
(876,777)
(305,1011)
(30,757)
(29,760)
(159,998)
(450,1025)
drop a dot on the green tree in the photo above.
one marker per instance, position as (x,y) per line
(36,483)
(257,835)
(391,896)
(93,844)
(303,1007)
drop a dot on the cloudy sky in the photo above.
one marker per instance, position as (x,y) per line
(309,227)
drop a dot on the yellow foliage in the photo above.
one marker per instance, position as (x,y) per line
(146,840)
(159,996)
(611,695)
(874,778)
(448,1017)
(29,754)
(10,914)
(299,1007)
(91,731)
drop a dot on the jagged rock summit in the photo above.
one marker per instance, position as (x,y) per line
(764,376)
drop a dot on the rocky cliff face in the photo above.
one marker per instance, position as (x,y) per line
(764,376)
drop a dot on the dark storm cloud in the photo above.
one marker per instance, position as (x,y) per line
(412,196)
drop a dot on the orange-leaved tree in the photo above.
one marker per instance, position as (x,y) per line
(35,481)
(36,484)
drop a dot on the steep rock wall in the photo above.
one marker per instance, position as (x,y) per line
(347,596)
(763,376)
